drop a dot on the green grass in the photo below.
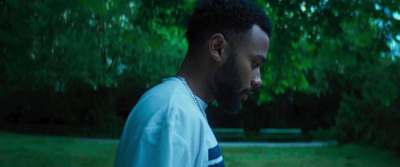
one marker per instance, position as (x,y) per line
(19,150)
(333,156)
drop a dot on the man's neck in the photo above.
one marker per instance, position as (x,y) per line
(197,77)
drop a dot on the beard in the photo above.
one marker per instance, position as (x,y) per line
(226,86)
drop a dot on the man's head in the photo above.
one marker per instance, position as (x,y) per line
(232,18)
(235,33)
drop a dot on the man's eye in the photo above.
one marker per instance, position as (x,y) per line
(256,64)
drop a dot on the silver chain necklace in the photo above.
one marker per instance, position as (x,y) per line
(191,93)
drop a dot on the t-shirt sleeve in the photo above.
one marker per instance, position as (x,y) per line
(158,146)
(161,146)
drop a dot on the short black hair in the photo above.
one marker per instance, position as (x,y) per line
(231,18)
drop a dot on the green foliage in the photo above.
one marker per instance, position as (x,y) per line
(326,53)
(79,57)
(322,35)
(320,135)
(370,113)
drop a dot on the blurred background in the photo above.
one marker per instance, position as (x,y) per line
(77,68)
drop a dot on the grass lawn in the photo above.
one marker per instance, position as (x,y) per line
(333,156)
(19,150)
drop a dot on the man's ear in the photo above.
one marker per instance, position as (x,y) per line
(217,45)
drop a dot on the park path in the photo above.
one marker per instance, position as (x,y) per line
(279,144)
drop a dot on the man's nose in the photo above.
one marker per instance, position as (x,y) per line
(256,81)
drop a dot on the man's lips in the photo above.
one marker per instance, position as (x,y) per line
(248,91)
(244,97)
(245,94)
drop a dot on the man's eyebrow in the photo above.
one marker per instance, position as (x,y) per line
(262,58)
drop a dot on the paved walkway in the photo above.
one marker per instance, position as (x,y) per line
(279,144)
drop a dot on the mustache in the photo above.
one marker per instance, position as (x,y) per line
(247,91)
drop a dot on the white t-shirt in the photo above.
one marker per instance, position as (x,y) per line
(166,128)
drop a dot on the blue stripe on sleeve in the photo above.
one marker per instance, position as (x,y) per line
(214,153)
(215,157)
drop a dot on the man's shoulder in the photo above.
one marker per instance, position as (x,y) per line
(171,93)
(165,102)
(167,89)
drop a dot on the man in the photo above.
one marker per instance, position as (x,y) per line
(228,42)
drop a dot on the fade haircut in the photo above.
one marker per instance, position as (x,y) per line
(232,18)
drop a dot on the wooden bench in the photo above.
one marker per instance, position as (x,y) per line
(280,134)
(228,133)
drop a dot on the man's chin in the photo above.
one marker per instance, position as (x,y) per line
(244,98)
(229,108)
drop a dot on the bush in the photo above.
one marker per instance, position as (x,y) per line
(372,115)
